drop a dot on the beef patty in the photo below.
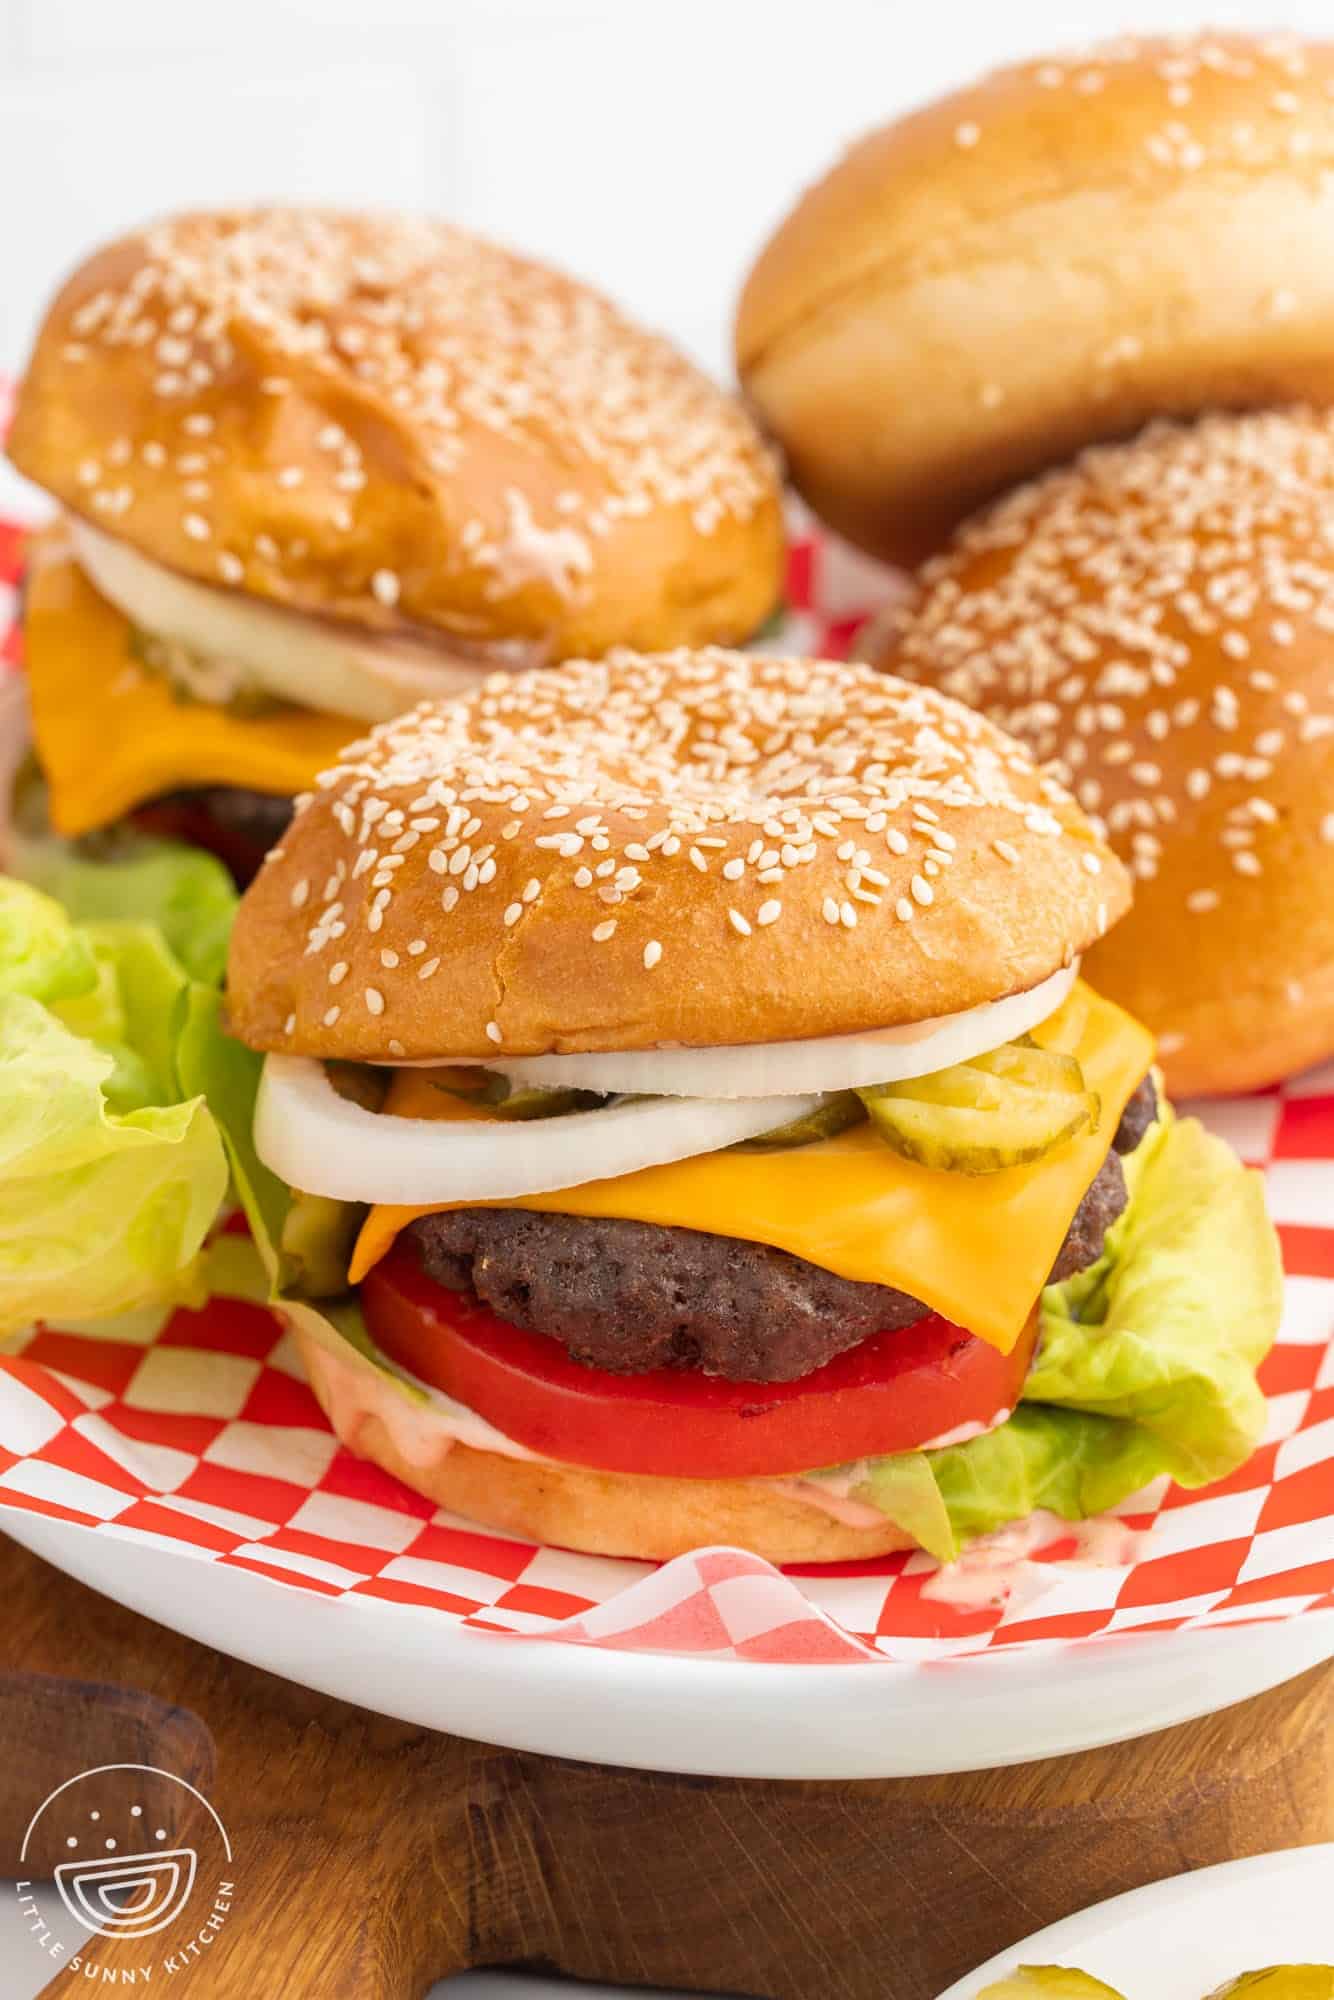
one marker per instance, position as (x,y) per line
(630,1296)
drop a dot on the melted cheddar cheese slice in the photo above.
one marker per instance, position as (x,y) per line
(976,1248)
(110,735)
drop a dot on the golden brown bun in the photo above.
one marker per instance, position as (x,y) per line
(789,848)
(1158,622)
(605,1513)
(1046,259)
(389,421)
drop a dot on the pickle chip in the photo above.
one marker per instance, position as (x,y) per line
(1280,1982)
(1049,1982)
(1000,1109)
(831,1116)
(535,1100)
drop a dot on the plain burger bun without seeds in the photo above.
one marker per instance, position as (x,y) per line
(387,421)
(1156,622)
(705,848)
(1047,259)
(636,1515)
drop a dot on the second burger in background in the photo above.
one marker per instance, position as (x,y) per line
(314,466)
(739,1157)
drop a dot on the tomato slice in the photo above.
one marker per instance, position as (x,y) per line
(893,1392)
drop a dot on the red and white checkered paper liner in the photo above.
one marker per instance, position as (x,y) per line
(196,1431)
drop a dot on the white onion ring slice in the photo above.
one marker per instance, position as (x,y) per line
(291,656)
(323,1144)
(835,1062)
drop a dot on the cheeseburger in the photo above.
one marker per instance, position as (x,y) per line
(1156,623)
(699,1046)
(1049,258)
(315,466)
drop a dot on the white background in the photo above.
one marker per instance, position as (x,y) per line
(646,144)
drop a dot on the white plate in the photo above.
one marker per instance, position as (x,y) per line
(663,1712)
(1180,1938)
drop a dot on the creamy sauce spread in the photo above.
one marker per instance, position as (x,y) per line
(994,1567)
(987,1575)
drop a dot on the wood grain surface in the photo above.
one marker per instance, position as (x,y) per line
(372,1857)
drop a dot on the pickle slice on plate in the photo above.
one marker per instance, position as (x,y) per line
(1049,1982)
(832,1115)
(1280,1982)
(1000,1109)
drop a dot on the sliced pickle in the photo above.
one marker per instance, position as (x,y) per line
(359,1083)
(534,1100)
(316,1244)
(1280,1982)
(832,1115)
(1049,1982)
(1000,1109)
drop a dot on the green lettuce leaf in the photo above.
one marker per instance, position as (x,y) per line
(183,892)
(101,1210)
(110,1174)
(1145,1366)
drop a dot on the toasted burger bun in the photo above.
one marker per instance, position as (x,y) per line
(697,848)
(603,1513)
(1047,259)
(386,420)
(1157,624)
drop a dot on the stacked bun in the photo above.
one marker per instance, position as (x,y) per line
(1111,274)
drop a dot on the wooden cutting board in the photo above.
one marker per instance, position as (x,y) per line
(371,1858)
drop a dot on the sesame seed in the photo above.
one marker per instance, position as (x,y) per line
(922,892)
(1199,901)
(428,968)
(829,910)
(770,912)
(903,910)
(374,1000)
(385,587)
(331,1015)
(652,953)
(338,973)
(512,914)
(733,870)
(493,1033)
(738,923)
(606,929)
(196,527)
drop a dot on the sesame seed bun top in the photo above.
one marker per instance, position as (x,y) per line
(1157,623)
(387,420)
(1046,259)
(698,848)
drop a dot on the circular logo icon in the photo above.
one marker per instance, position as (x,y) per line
(125,1853)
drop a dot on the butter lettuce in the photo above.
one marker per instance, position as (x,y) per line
(184,893)
(111,1175)
(1145,1365)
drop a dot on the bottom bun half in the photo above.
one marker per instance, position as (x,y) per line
(575,1507)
